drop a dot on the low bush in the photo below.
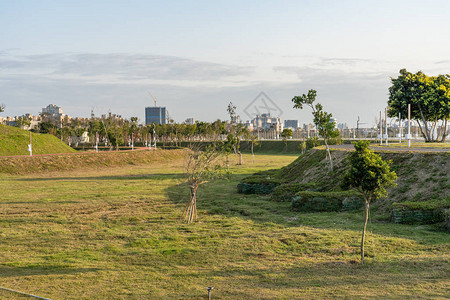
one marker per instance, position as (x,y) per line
(308,201)
(256,188)
(425,212)
(259,183)
(286,192)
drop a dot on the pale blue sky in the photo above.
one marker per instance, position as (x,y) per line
(196,56)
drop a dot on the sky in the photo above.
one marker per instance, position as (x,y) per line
(197,56)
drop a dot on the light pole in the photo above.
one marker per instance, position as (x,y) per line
(386,125)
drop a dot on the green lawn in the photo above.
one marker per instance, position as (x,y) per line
(118,233)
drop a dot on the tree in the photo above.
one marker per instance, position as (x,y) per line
(2,107)
(23,122)
(235,130)
(322,119)
(201,167)
(371,176)
(285,135)
(253,142)
(429,98)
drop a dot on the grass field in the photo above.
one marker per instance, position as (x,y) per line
(117,233)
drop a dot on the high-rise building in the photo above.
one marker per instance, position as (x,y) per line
(190,121)
(291,124)
(52,110)
(155,114)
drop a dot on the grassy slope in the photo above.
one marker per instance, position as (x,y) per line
(421,176)
(14,141)
(117,233)
(90,160)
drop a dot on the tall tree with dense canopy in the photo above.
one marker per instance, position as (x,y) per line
(322,119)
(429,97)
(371,176)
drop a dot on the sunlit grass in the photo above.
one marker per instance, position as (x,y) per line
(118,233)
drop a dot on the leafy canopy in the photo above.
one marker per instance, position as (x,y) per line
(429,97)
(369,173)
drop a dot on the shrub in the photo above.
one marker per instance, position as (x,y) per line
(425,212)
(312,142)
(308,201)
(286,192)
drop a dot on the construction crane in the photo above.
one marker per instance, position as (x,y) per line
(154,99)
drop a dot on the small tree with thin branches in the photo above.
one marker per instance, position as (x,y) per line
(371,176)
(322,119)
(201,167)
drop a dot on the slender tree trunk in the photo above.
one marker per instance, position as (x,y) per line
(228,165)
(427,133)
(190,212)
(240,157)
(253,155)
(328,154)
(444,134)
(366,218)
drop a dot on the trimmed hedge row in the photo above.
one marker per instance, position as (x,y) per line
(308,201)
(259,183)
(256,188)
(286,192)
(426,212)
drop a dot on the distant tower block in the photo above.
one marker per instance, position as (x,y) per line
(156,115)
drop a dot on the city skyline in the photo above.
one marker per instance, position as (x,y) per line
(196,58)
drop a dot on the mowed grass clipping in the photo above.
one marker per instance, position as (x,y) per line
(117,233)
(14,141)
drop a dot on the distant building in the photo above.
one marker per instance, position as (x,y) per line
(190,121)
(293,124)
(53,114)
(155,114)
(112,116)
(52,110)
(266,122)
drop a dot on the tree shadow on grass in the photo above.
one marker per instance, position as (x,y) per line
(152,176)
(221,198)
(348,277)
(6,271)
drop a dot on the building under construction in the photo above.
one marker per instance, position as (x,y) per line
(155,114)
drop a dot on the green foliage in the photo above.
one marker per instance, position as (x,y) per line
(368,173)
(322,119)
(308,201)
(425,205)
(286,133)
(429,97)
(312,142)
(265,177)
(286,192)
(425,212)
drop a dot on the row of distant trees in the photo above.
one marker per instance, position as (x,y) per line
(116,132)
